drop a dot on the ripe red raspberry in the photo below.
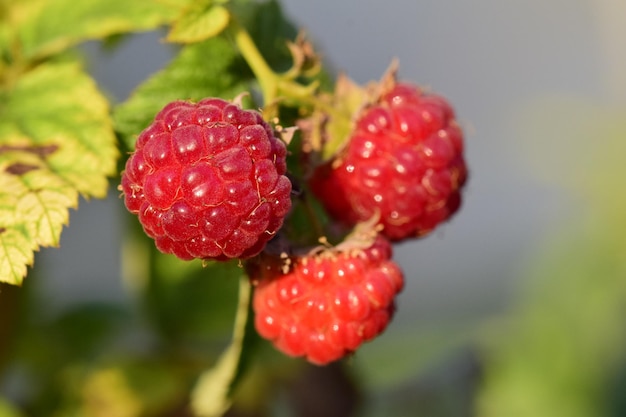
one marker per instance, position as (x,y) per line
(329,303)
(403,160)
(207,180)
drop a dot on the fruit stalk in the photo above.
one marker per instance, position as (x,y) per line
(267,78)
(276,86)
(212,394)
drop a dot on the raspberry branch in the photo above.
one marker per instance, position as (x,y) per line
(275,86)
(212,394)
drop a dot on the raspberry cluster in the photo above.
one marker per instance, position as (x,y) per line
(403,161)
(207,180)
(327,304)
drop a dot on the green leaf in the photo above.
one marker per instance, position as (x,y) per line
(56,141)
(16,252)
(203,20)
(55,25)
(12,16)
(212,395)
(210,68)
(200,70)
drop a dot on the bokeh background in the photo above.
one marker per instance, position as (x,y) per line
(540,89)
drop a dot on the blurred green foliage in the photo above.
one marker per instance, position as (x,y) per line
(562,351)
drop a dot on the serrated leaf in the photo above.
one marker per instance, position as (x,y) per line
(33,209)
(56,141)
(55,25)
(203,20)
(56,111)
(212,395)
(200,70)
(16,252)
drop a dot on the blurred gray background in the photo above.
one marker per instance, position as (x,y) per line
(493,59)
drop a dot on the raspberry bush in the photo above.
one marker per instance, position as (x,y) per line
(249,189)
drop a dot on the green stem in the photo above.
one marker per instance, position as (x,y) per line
(267,78)
(243,310)
(273,85)
(212,395)
(314,101)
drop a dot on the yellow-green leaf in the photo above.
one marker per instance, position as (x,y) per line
(56,141)
(16,253)
(55,25)
(200,22)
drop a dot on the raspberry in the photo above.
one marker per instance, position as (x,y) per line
(402,161)
(329,303)
(207,181)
